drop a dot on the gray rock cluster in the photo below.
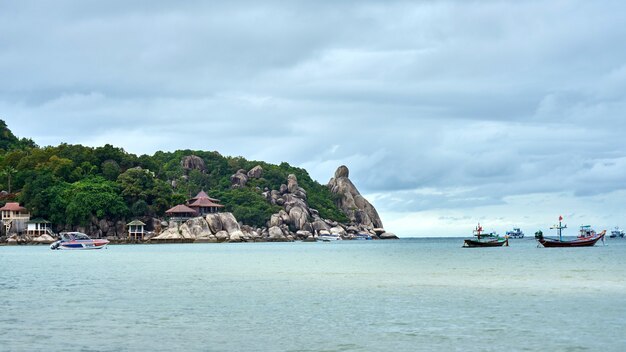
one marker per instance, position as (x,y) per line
(213,228)
(27,239)
(298,221)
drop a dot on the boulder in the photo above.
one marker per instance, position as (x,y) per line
(222,236)
(198,227)
(298,217)
(236,236)
(378,231)
(229,223)
(43,239)
(338,231)
(275,220)
(276,234)
(214,222)
(292,183)
(185,232)
(193,162)
(388,236)
(239,179)
(255,172)
(319,225)
(303,235)
(170,233)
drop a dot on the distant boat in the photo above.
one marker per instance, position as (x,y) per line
(329,238)
(362,236)
(78,240)
(617,233)
(515,233)
(485,240)
(586,238)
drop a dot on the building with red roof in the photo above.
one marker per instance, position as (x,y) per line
(199,205)
(14,217)
(181,213)
(203,204)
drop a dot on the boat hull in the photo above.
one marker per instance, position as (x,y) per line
(492,243)
(586,242)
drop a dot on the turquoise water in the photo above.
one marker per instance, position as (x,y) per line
(407,295)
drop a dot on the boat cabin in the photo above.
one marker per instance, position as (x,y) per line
(586,231)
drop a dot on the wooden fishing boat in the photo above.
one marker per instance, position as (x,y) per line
(581,241)
(485,240)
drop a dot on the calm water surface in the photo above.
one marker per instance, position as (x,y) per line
(407,295)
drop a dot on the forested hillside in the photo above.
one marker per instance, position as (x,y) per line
(71,184)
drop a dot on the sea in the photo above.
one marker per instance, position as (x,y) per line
(425,294)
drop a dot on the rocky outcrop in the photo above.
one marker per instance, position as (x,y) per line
(239,179)
(256,172)
(351,202)
(193,162)
(220,227)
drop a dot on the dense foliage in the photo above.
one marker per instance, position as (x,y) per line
(73,184)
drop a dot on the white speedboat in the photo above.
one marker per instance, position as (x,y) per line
(329,238)
(78,240)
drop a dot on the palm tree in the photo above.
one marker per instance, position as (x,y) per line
(8,172)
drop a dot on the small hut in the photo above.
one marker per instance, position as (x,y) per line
(181,213)
(38,227)
(135,230)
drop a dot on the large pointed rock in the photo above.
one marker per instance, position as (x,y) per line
(351,202)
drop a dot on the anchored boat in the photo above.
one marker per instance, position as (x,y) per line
(617,233)
(486,240)
(329,237)
(515,233)
(78,240)
(587,238)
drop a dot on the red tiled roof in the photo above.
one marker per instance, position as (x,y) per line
(180,209)
(203,195)
(13,207)
(205,203)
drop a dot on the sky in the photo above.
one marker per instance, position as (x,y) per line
(447,113)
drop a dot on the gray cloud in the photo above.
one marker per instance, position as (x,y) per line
(432,105)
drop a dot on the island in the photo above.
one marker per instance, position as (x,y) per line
(170,197)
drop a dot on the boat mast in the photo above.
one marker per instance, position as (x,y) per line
(559,228)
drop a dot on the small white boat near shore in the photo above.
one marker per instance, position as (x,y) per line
(329,238)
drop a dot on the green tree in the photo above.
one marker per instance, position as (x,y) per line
(111,170)
(93,197)
(8,171)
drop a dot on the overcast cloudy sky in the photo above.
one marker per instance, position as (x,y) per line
(446,112)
